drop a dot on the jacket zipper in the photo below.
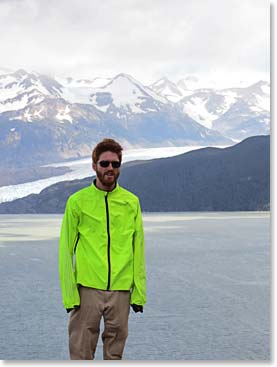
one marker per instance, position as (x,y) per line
(109,241)
(76,243)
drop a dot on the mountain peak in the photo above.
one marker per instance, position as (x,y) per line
(261,87)
(260,83)
(163,81)
(124,77)
(126,94)
(167,88)
(20,73)
(189,82)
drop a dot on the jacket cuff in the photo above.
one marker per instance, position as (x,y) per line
(70,309)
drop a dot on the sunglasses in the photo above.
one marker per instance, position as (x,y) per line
(105,164)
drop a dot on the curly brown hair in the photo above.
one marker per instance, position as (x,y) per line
(104,146)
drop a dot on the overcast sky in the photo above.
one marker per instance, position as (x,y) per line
(149,39)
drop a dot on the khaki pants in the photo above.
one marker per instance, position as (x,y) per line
(84,323)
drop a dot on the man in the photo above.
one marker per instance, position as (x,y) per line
(102,231)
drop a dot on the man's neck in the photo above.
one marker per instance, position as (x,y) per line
(102,187)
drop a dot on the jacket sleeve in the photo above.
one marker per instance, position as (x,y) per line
(68,238)
(138,295)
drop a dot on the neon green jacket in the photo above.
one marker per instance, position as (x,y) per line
(102,244)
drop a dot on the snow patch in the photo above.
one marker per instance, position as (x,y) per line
(230,98)
(263,102)
(27,116)
(266,89)
(124,93)
(196,109)
(77,95)
(37,114)
(63,114)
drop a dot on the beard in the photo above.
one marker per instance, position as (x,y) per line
(108,178)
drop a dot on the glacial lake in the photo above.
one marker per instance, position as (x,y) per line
(208,289)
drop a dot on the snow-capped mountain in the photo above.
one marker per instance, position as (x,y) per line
(235,112)
(193,82)
(207,105)
(119,95)
(79,83)
(29,95)
(79,90)
(32,97)
(20,89)
(168,89)
(44,120)
(124,95)
(184,87)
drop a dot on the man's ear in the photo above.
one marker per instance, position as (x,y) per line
(94,166)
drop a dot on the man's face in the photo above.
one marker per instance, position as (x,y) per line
(106,176)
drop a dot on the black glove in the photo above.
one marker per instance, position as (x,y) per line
(137,308)
(70,309)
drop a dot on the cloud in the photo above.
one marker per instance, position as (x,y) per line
(147,39)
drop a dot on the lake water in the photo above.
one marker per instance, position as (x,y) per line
(208,289)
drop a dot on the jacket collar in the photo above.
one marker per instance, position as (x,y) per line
(102,192)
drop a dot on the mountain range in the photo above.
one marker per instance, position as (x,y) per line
(45,119)
(236,178)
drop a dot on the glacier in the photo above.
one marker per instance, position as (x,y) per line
(83,168)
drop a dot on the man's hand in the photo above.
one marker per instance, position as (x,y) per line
(137,308)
